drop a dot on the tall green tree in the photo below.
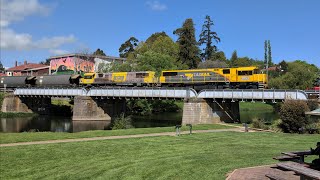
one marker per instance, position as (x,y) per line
(1,66)
(189,52)
(128,47)
(99,52)
(207,36)
(269,54)
(234,58)
(265,52)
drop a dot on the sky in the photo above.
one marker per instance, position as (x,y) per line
(34,30)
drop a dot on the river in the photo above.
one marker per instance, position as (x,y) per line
(65,124)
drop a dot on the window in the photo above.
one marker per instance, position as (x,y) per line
(87,77)
(256,71)
(141,75)
(244,73)
(226,71)
(100,75)
(170,73)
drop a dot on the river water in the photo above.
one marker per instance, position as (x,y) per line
(65,124)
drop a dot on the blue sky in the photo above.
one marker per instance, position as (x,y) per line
(33,30)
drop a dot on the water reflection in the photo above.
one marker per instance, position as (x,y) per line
(65,124)
(266,116)
(78,126)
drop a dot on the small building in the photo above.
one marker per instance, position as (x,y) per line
(20,70)
(36,71)
(79,63)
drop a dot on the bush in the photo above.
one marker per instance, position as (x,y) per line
(122,122)
(259,124)
(292,115)
(1,98)
(312,104)
(276,125)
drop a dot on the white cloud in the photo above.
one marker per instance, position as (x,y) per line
(16,10)
(156,6)
(11,40)
(58,51)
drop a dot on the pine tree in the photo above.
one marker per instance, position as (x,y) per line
(265,52)
(206,37)
(99,52)
(269,54)
(188,47)
(234,58)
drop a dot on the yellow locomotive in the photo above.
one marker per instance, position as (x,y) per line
(215,78)
(218,78)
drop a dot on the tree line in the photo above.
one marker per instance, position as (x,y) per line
(159,52)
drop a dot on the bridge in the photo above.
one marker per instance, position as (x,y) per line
(204,107)
(166,93)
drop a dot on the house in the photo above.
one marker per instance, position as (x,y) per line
(79,63)
(20,70)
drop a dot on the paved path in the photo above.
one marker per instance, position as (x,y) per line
(117,137)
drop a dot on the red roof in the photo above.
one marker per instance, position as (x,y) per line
(26,66)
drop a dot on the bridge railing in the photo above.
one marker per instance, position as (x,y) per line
(168,93)
(252,94)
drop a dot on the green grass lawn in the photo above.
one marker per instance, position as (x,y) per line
(197,156)
(41,136)
(257,106)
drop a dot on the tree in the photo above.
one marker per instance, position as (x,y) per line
(243,61)
(128,47)
(188,48)
(234,58)
(265,52)
(269,54)
(153,61)
(155,36)
(300,75)
(206,37)
(218,56)
(165,45)
(283,66)
(212,64)
(99,52)
(1,66)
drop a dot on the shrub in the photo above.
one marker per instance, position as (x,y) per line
(292,115)
(259,124)
(122,122)
(312,104)
(1,98)
(275,126)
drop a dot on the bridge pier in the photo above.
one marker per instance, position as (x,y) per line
(90,109)
(12,103)
(201,111)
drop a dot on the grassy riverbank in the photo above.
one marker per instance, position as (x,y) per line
(42,136)
(199,156)
(257,106)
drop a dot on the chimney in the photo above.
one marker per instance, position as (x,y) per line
(25,62)
(16,64)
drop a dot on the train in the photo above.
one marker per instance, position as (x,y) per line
(212,78)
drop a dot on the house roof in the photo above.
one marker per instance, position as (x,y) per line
(88,55)
(26,66)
